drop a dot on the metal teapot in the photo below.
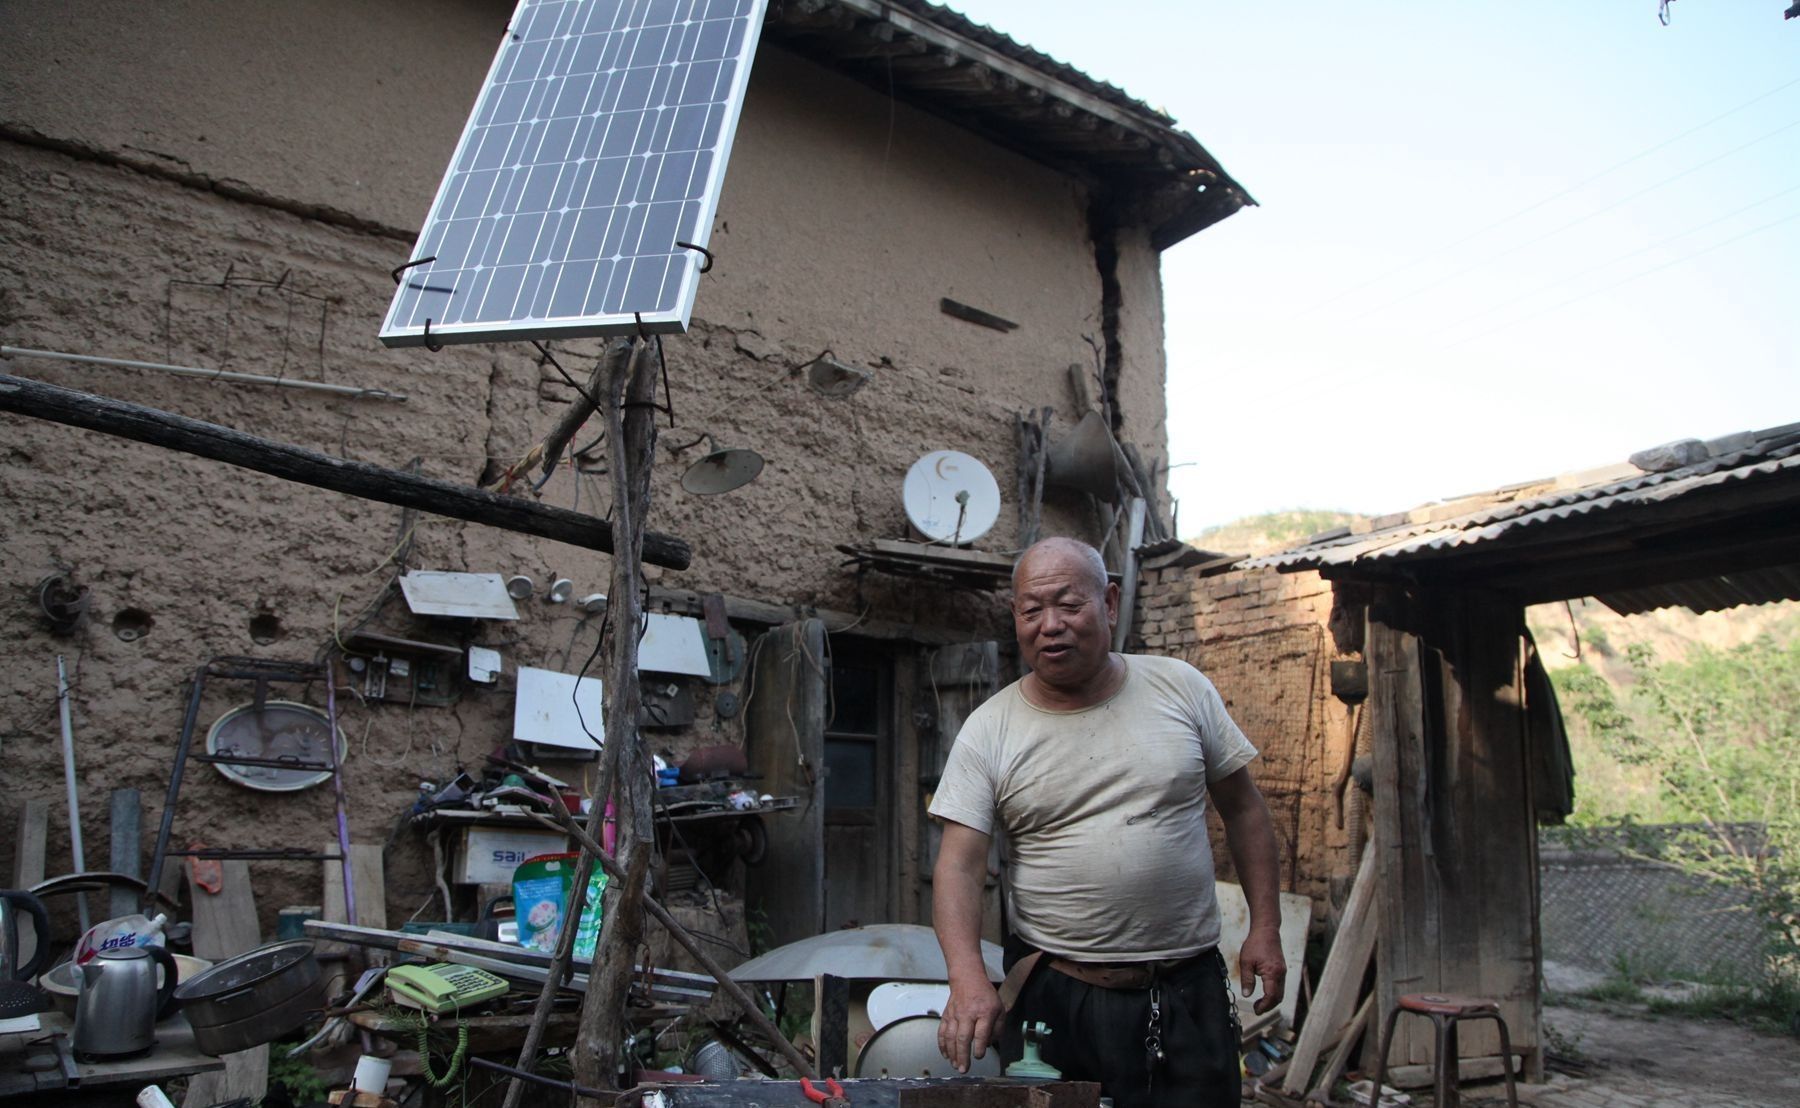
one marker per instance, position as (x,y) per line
(11,901)
(120,1002)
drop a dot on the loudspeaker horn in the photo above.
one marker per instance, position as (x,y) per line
(722,470)
(1087,460)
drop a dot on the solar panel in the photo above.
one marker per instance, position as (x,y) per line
(597,146)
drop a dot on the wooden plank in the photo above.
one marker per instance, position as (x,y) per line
(784,724)
(31,844)
(1339,985)
(1396,732)
(367,873)
(225,924)
(1334,1066)
(310,467)
(689,602)
(126,827)
(1453,814)
(371,903)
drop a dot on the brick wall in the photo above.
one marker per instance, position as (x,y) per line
(1266,640)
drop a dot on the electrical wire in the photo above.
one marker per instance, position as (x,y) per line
(1628,280)
(1535,205)
(1528,243)
(1615,261)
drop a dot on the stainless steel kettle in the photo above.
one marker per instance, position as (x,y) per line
(116,1012)
(13,966)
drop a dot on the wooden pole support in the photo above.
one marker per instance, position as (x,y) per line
(310,467)
(682,935)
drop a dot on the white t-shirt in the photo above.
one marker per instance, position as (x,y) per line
(1104,810)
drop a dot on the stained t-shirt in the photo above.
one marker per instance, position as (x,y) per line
(1104,810)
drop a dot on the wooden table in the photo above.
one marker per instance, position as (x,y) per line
(174,1055)
(487,1034)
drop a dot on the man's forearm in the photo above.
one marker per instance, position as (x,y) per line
(1250,833)
(956,907)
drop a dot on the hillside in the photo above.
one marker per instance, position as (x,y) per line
(1271,531)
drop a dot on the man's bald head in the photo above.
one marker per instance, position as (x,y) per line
(1062,548)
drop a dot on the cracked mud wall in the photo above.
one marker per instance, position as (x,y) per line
(845,219)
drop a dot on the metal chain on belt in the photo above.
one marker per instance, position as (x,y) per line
(1153,1044)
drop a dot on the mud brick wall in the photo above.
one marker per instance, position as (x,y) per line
(228,187)
(1266,640)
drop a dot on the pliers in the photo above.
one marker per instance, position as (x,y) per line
(832,1096)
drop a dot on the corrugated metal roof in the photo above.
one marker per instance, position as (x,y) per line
(1710,594)
(1439,532)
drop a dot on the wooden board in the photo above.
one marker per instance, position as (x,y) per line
(784,723)
(126,827)
(175,1056)
(368,875)
(1454,830)
(30,845)
(225,924)
(1345,966)
(1334,1066)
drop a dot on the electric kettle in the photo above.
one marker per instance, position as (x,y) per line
(11,901)
(116,1012)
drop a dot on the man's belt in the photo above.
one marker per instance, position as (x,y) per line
(1114,975)
(1102,975)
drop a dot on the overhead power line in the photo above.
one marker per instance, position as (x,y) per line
(1628,280)
(1504,304)
(1535,205)
(1514,249)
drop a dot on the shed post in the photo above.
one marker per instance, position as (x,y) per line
(1455,838)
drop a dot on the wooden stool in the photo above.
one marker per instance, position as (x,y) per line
(1444,1012)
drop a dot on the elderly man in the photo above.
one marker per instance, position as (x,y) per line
(1098,767)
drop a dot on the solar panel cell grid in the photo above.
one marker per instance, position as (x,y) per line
(597,144)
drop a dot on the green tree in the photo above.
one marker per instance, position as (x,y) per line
(1721,732)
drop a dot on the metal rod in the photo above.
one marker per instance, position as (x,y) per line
(183,746)
(213,374)
(68,744)
(551,1082)
(337,784)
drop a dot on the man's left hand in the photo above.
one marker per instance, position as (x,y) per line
(1260,959)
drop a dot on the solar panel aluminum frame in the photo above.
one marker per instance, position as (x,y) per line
(673,320)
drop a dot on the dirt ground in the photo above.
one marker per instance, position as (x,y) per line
(1629,1059)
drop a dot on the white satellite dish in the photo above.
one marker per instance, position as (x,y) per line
(950,497)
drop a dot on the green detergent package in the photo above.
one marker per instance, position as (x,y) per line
(587,929)
(540,892)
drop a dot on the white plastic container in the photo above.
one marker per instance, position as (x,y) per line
(117,934)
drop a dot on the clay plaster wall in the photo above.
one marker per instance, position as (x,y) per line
(1266,640)
(1143,369)
(845,218)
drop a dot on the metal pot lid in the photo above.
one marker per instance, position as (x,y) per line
(283,729)
(878,952)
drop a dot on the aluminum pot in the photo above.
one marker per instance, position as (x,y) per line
(254,998)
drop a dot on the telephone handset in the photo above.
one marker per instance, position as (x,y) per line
(443,987)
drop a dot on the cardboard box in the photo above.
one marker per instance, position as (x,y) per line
(488,855)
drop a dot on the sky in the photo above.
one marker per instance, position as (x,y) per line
(1495,242)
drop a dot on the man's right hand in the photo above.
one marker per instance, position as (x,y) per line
(972,1020)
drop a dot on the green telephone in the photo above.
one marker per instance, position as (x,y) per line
(442,987)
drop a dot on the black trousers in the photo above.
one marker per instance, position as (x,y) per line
(1098,1035)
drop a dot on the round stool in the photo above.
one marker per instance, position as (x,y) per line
(1445,1011)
